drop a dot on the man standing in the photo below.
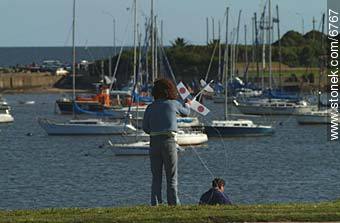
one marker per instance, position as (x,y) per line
(161,123)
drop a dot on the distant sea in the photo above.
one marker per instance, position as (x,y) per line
(11,56)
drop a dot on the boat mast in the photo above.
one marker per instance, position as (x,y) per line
(322,61)
(156,46)
(253,44)
(279,40)
(226,68)
(270,42)
(152,43)
(262,26)
(74,59)
(207,21)
(226,49)
(134,42)
(74,52)
(256,47)
(246,53)
(147,52)
(219,52)
(237,37)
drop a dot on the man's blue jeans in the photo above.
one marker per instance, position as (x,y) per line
(163,151)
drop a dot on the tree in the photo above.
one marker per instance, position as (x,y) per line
(179,43)
(307,56)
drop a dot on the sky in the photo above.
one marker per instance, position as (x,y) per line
(49,22)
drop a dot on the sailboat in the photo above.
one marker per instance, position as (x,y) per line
(85,126)
(270,106)
(239,127)
(141,143)
(138,147)
(318,116)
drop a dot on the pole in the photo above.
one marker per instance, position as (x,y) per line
(110,66)
(156,48)
(226,68)
(263,48)
(233,64)
(270,42)
(246,52)
(322,62)
(207,21)
(114,36)
(219,52)
(213,28)
(162,44)
(226,49)
(257,47)
(147,52)
(74,53)
(314,21)
(237,35)
(152,43)
(302,23)
(135,42)
(279,40)
(253,42)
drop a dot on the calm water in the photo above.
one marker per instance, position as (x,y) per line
(39,171)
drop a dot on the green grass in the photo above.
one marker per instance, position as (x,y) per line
(326,211)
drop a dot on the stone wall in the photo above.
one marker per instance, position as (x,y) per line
(27,80)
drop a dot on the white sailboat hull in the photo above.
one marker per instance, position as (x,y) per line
(263,110)
(105,128)
(316,117)
(6,118)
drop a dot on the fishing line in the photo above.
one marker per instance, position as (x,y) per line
(202,161)
(223,146)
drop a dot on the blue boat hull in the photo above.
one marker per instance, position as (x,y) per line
(212,131)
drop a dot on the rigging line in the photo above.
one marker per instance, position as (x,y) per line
(210,63)
(89,53)
(168,63)
(68,36)
(118,59)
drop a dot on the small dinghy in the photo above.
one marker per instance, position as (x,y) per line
(5,116)
(27,102)
(191,138)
